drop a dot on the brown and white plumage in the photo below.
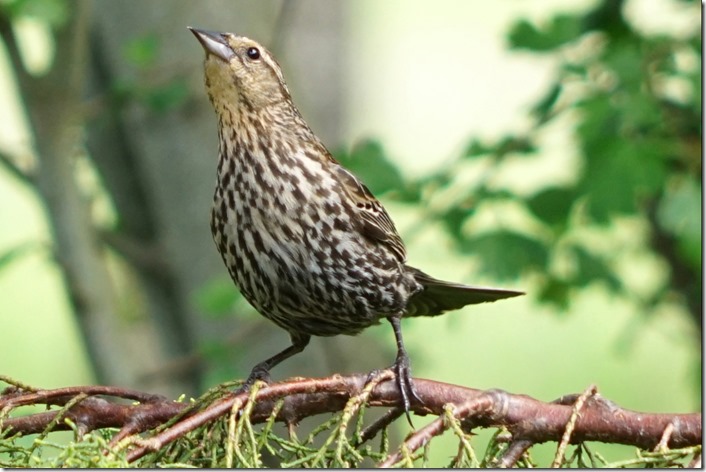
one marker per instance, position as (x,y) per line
(304,239)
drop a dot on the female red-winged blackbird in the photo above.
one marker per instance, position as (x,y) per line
(305,241)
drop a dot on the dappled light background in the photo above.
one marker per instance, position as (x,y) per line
(411,95)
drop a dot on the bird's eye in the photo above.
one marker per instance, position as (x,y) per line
(253,53)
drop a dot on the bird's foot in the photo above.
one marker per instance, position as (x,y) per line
(259,372)
(403,376)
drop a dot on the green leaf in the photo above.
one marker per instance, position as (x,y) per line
(543,108)
(217,297)
(555,292)
(505,254)
(54,12)
(509,144)
(679,213)
(158,98)
(622,165)
(515,145)
(570,68)
(680,209)
(454,218)
(608,18)
(628,63)
(411,192)
(142,51)
(552,205)
(560,30)
(590,268)
(642,114)
(168,96)
(628,172)
(476,148)
(368,161)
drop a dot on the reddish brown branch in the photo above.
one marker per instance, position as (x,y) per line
(479,406)
(528,420)
(13,396)
(513,453)
(378,425)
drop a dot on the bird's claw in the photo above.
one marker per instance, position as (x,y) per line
(258,373)
(403,376)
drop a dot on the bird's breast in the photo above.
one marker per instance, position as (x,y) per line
(288,236)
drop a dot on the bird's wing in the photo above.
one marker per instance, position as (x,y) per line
(374,221)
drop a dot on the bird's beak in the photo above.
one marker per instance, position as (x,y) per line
(213,43)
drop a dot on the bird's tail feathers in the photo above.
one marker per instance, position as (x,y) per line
(439,296)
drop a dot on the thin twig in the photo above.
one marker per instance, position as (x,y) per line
(571,424)
(17,397)
(664,440)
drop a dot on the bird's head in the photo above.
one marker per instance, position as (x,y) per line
(240,71)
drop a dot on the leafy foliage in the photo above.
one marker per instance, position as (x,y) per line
(501,252)
(640,158)
(346,438)
(638,143)
(217,297)
(159,95)
(367,159)
(261,446)
(53,12)
(560,30)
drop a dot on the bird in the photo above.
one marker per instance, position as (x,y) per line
(303,238)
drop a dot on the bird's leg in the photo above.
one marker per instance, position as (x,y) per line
(261,371)
(403,373)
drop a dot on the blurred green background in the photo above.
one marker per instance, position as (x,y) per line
(541,146)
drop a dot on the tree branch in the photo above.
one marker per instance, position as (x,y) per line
(529,421)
